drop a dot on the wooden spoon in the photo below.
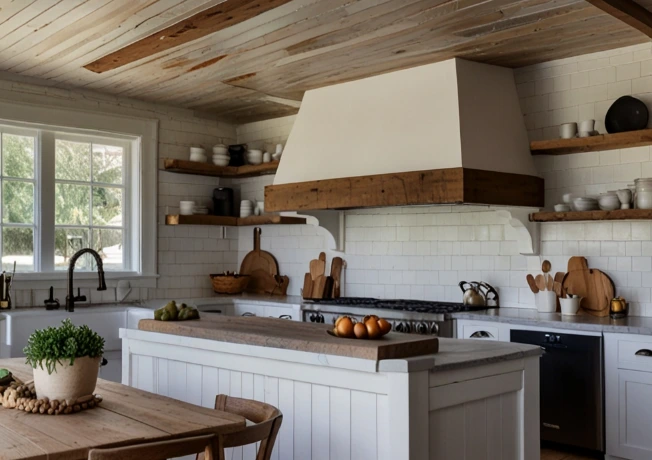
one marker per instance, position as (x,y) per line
(541,282)
(550,284)
(545,268)
(532,283)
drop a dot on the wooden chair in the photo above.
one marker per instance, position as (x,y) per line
(266,420)
(158,450)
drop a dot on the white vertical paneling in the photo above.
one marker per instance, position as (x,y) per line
(209,386)
(271,397)
(146,373)
(286,405)
(236,391)
(454,425)
(302,421)
(382,426)
(177,380)
(193,384)
(224,382)
(248,451)
(363,425)
(437,433)
(510,427)
(494,429)
(475,418)
(320,422)
(134,371)
(162,376)
(340,426)
(259,387)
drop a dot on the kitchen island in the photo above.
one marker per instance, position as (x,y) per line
(348,399)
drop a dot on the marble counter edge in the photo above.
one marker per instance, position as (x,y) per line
(557,322)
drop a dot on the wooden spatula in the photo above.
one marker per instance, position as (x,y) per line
(550,283)
(532,283)
(541,282)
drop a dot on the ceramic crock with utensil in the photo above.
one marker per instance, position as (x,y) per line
(570,305)
(546,301)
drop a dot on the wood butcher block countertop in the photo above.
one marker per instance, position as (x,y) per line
(291,335)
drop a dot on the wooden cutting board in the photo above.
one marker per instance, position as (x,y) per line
(595,286)
(293,335)
(577,263)
(258,259)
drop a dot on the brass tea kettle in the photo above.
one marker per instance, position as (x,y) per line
(478,294)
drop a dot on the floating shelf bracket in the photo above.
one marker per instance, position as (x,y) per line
(527,233)
(331,221)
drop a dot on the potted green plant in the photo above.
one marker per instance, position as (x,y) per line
(66,360)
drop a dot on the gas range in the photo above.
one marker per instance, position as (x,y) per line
(408,316)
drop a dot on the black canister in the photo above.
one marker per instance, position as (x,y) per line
(237,153)
(223,201)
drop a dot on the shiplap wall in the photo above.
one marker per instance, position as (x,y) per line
(423,252)
(185,254)
(311,412)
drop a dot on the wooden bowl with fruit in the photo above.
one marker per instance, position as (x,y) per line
(370,328)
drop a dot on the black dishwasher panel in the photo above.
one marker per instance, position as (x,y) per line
(571,387)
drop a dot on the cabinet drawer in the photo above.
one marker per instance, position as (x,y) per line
(635,354)
(480,332)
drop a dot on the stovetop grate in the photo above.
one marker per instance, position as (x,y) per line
(418,306)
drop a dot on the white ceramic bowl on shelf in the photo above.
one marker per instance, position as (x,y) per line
(562,208)
(220,149)
(585,204)
(609,202)
(220,162)
(186,208)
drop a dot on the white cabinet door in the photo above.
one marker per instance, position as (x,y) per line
(634,415)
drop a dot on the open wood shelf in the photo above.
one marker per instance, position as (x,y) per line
(207,169)
(593,143)
(225,221)
(575,216)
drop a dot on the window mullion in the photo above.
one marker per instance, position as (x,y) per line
(46,199)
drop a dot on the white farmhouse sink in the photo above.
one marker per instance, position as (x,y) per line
(17,325)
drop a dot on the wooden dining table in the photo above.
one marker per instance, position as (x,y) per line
(125,417)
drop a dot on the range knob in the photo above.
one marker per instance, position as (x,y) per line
(434,328)
(312,317)
(422,328)
(399,326)
(320,318)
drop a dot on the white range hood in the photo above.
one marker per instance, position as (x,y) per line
(456,122)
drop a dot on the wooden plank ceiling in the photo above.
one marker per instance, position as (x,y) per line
(259,67)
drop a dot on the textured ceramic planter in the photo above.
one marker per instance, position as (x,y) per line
(68,382)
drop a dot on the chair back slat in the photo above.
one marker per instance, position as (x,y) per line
(266,417)
(158,450)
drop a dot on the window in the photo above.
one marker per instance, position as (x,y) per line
(18,228)
(89,195)
(81,183)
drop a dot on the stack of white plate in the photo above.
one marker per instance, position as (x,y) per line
(200,210)
(221,156)
(246,208)
(585,204)
(198,154)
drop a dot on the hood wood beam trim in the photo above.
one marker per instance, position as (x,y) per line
(437,186)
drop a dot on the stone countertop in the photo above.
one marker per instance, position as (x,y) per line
(462,353)
(531,317)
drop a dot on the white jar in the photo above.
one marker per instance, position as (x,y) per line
(643,193)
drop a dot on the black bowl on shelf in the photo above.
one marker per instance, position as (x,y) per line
(626,114)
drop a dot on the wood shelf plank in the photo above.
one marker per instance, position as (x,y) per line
(593,143)
(207,169)
(575,216)
(226,221)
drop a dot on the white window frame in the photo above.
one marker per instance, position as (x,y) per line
(142,134)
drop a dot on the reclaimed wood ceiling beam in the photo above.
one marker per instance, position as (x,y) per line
(627,11)
(219,17)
